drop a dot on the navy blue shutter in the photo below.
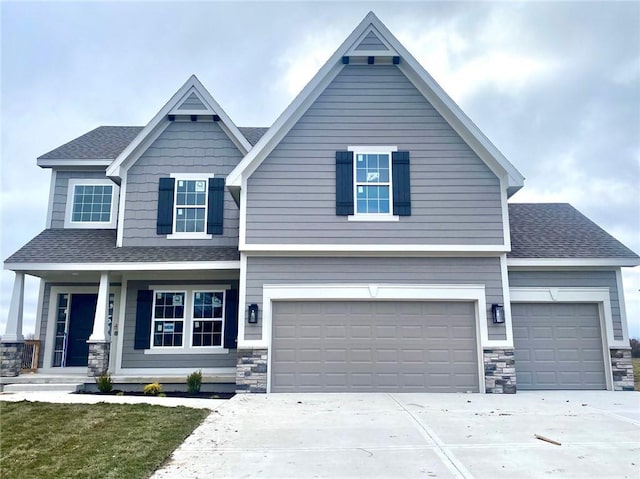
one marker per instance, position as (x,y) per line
(215,213)
(166,187)
(344,183)
(401,184)
(143,319)
(231,319)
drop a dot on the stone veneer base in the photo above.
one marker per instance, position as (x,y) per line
(622,369)
(11,358)
(98,362)
(499,371)
(251,371)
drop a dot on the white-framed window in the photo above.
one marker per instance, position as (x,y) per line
(91,203)
(189,319)
(168,319)
(190,206)
(373,182)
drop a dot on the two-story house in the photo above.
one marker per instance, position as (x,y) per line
(363,242)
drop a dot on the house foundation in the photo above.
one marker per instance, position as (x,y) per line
(11,358)
(251,371)
(499,371)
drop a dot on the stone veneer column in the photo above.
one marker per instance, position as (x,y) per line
(499,371)
(251,371)
(622,369)
(98,358)
(11,358)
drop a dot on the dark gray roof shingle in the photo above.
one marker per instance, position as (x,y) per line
(558,230)
(107,142)
(99,246)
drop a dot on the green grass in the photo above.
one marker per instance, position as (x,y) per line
(636,372)
(41,440)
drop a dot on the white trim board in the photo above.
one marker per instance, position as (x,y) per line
(375,292)
(373,248)
(578,262)
(138,266)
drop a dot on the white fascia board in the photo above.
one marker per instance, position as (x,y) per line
(572,262)
(177,266)
(494,159)
(44,163)
(192,84)
(372,248)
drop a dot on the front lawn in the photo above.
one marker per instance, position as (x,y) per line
(636,372)
(42,440)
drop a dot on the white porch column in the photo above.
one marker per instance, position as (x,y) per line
(100,320)
(13,332)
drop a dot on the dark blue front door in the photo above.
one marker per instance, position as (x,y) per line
(81,316)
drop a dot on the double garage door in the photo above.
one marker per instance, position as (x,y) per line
(383,346)
(558,346)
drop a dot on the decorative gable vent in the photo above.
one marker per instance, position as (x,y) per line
(192,103)
(371,42)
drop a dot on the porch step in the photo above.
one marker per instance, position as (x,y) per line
(42,387)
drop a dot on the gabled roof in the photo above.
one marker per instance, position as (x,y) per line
(189,99)
(558,230)
(371,25)
(101,146)
(82,246)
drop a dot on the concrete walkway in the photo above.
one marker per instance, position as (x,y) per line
(66,398)
(416,435)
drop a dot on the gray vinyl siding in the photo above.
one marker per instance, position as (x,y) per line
(296,270)
(184,147)
(579,279)
(61,188)
(371,42)
(455,196)
(135,358)
(192,103)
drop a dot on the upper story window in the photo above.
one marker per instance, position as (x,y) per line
(373,183)
(91,204)
(190,206)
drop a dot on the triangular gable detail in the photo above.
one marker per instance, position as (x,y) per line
(410,67)
(192,88)
(371,42)
(192,103)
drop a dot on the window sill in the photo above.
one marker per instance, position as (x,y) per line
(373,218)
(215,350)
(189,236)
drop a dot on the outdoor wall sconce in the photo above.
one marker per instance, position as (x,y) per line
(497,311)
(253,313)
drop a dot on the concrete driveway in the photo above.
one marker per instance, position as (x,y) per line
(416,436)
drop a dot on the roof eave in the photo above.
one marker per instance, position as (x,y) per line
(574,262)
(57,162)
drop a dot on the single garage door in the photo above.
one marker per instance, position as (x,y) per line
(373,346)
(558,346)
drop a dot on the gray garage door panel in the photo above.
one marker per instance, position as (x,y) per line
(373,346)
(558,346)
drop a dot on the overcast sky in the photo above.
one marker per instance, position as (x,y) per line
(555,86)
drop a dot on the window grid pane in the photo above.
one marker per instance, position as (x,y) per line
(207,331)
(92,203)
(168,306)
(191,200)
(373,183)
